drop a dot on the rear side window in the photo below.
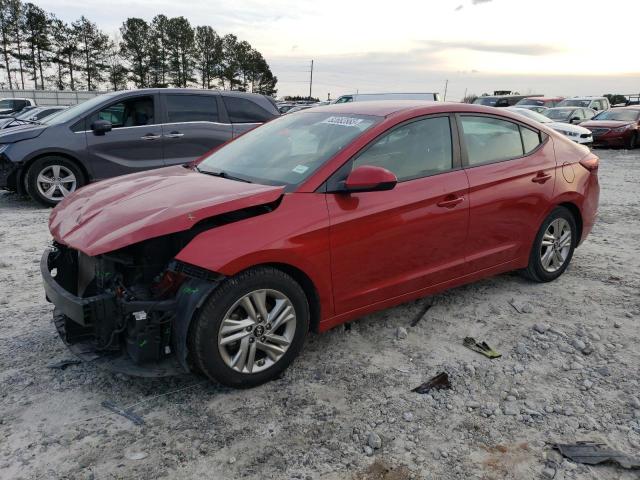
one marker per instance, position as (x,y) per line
(192,108)
(243,110)
(490,140)
(417,149)
(530,139)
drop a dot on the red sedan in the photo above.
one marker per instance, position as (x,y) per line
(617,127)
(307,222)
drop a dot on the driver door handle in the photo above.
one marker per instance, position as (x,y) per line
(450,201)
(541,177)
(150,136)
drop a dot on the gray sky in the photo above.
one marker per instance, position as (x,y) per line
(554,47)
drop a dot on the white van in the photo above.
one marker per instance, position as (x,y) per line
(365,97)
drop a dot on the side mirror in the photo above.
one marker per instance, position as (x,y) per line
(575,120)
(100,127)
(367,178)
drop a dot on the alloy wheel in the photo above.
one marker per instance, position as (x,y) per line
(257,331)
(556,245)
(55,182)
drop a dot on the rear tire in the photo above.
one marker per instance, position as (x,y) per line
(50,179)
(233,343)
(553,246)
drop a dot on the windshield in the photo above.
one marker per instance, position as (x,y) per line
(618,115)
(574,103)
(77,111)
(531,114)
(559,114)
(29,113)
(6,103)
(286,151)
(490,101)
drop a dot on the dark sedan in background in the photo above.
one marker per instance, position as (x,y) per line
(618,127)
(123,132)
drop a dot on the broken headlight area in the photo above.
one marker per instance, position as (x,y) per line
(121,304)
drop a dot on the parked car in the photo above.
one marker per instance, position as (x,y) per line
(548,102)
(370,97)
(298,108)
(535,108)
(575,133)
(594,103)
(123,132)
(307,222)
(285,107)
(29,115)
(501,100)
(9,106)
(569,114)
(617,127)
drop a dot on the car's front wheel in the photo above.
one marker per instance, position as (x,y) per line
(633,141)
(250,328)
(50,179)
(553,246)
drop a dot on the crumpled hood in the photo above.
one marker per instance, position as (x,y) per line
(112,214)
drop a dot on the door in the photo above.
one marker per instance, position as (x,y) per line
(385,244)
(511,170)
(133,144)
(192,126)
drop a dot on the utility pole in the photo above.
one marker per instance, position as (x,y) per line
(446,84)
(311,80)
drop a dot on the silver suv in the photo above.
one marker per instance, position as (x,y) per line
(123,132)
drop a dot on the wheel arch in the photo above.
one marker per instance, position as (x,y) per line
(577,216)
(307,285)
(27,165)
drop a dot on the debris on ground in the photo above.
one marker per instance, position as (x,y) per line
(62,364)
(593,453)
(128,414)
(521,307)
(422,313)
(439,382)
(472,344)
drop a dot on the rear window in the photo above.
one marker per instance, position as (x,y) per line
(243,110)
(192,108)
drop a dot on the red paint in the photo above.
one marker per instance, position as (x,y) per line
(361,251)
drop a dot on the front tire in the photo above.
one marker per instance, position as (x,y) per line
(250,328)
(553,246)
(633,141)
(50,179)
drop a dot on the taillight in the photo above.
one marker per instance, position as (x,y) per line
(590,162)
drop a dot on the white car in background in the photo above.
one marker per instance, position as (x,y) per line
(573,132)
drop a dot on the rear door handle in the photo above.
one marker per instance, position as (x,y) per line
(150,136)
(450,202)
(541,177)
(174,135)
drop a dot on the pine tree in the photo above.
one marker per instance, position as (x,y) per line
(36,25)
(136,39)
(92,48)
(208,55)
(159,63)
(181,43)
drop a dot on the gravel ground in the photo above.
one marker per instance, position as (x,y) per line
(569,371)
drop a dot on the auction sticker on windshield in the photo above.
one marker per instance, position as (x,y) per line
(344,121)
(300,169)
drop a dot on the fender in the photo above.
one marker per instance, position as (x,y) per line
(272,238)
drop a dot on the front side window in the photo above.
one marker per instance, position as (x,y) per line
(417,149)
(243,110)
(287,150)
(490,140)
(192,108)
(132,112)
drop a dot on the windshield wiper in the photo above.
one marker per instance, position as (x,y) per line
(223,174)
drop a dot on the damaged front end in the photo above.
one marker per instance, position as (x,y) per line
(130,309)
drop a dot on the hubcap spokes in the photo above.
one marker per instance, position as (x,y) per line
(556,245)
(257,331)
(56,182)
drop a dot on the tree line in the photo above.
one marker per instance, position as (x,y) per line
(39,50)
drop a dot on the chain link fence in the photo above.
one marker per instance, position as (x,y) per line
(51,97)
